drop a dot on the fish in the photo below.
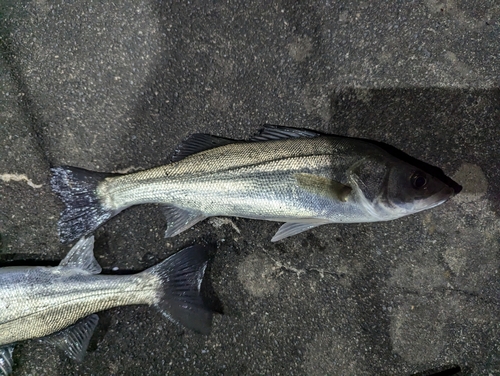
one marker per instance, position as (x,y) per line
(296,176)
(58,304)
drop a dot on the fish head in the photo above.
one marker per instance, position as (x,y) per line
(394,188)
(411,190)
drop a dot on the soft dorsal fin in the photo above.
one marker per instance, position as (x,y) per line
(323,186)
(179,219)
(198,142)
(75,339)
(274,132)
(6,360)
(81,256)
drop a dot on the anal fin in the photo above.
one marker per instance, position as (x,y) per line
(75,339)
(180,219)
(6,360)
(294,228)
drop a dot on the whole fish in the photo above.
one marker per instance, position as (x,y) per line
(58,303)
(283,174)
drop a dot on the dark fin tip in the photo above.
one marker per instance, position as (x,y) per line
(84,213)
(182,275)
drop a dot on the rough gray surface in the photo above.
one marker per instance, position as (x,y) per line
(112,86)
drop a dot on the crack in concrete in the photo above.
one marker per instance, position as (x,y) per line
(281,266)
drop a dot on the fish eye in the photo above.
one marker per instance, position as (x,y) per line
(418,180)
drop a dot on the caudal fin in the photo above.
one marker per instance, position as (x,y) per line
(84,212)
(180,300)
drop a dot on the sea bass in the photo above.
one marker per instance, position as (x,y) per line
(282,174)
(59,303)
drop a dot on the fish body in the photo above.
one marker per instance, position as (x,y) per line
(58,303)
(38,301)
(285,175)
(252,180)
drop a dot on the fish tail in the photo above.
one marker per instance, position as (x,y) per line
(84,212)
(181,276)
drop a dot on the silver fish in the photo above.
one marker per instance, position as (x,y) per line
(283,174)
(59,303)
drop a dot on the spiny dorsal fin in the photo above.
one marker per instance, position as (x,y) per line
(179,219)
(81,256)
(324,186)
(198,142)
(75,339)
(6,360)
(274,132)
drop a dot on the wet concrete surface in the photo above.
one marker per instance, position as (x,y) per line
(117,86)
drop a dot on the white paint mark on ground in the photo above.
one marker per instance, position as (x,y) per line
(128,170)
(20,177)
(219,222)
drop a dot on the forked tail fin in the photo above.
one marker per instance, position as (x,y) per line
(84,212)
(180,300)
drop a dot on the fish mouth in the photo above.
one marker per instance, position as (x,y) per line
(439,198)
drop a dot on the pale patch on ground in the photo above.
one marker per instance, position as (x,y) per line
(473,181)
(20,177)
(456,259)
(128,170)
(417,330)
(468,20)
(421,331)
(300,49)
(331,353)
(218,222)
(257,275)
(317,101)
(219,101)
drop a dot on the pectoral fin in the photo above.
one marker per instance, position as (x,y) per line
(294,228)
(81,256)
(75,339)
(179,219)
(323,186)
(6,360)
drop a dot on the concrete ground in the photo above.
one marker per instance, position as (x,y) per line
(115,86)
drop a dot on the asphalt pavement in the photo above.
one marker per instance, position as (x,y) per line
(116,86)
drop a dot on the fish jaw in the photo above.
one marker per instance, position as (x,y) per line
(388,210)
(435,200)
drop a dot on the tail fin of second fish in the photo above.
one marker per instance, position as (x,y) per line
(179,299)
(84,212)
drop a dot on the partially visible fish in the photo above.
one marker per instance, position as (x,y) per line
(283,174)
(59,303)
